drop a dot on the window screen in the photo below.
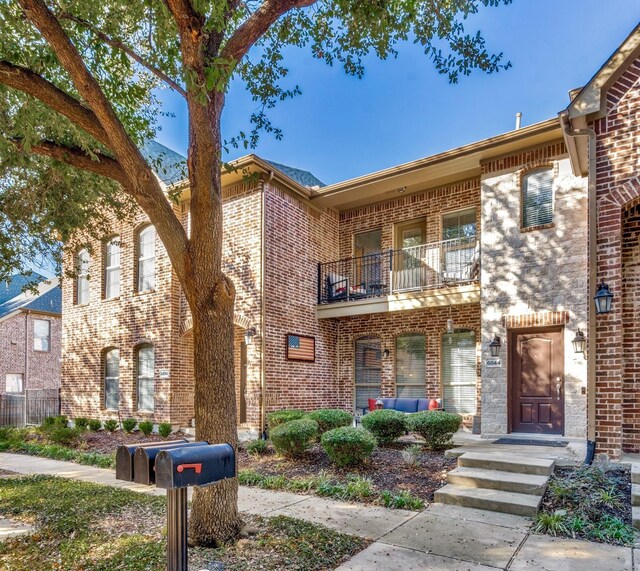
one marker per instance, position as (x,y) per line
(368,370)
(410,366)
(537,198)
(112,379)
(459,372)
(146,383)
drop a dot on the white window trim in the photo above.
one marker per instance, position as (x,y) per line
(142,259)
(37,337)
(106,378)
(140,378)
(82,278)
(115,241)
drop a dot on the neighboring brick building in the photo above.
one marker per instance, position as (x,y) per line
(396,283)
(30,348)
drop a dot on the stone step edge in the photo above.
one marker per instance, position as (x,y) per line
(516,464)
(530,484)
(500,501)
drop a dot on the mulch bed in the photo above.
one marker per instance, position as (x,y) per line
(386,468)
(107,442)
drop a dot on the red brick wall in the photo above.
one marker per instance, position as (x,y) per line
(43,367)
(617,187)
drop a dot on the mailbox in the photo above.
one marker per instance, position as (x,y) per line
(195,466)
(144,460)
(125,453)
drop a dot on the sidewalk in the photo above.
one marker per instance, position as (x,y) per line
(442,538)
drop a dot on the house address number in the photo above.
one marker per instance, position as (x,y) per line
(493,363)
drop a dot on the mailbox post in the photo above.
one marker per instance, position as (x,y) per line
(175,467)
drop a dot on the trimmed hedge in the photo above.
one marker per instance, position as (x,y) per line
(330,418)
(111,425)
(281,416)
(81,422)
(348,446)
(146,427)
(436,427)
(94,425)
(294,437)
(129,424)
(385,425)
(164,429)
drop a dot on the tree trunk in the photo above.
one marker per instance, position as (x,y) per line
(214,509)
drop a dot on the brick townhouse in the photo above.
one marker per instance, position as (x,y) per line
(30,348)
(462,276)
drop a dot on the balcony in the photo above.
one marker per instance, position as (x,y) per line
(440,273)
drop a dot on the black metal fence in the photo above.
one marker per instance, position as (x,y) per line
(395,271)
(31,408)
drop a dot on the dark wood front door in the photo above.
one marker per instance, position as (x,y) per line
(536,372)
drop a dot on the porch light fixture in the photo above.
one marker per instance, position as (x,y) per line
(249,334)
(603,298)
(385,353)
(450,326)
(579,342)
(495,345)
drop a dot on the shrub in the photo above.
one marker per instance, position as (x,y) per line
(164,429)
(256,447)
(129,424)
(94,425)
(63,435)
(60,420)
(330,418)
(294,437)
(111,425)
(348,446)
(385,425)
(281,416)
(411,455)
(81,423)
(436,427)
(146,427)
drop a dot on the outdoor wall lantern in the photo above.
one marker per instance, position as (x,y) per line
(579,342)
(386,353)
(450,326)
(495,345)
(603,298)
(249,334)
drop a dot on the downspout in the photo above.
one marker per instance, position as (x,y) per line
(26,363)
(593,273)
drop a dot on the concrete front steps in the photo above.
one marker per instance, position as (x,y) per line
(509,484)
(635,495)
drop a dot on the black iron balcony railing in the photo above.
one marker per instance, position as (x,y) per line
(396,271)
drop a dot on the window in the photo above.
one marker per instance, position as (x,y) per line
(147,259)
(14,382)
(112,379)
(82,277)
(112,269)
(410,366)
(41,335)
(368,370)
(410,264)
(146,388)
(367,263)
(459,372)
(537,198)
(459,247)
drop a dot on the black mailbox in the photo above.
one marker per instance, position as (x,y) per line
(196,466)
(125,453)
(144,460)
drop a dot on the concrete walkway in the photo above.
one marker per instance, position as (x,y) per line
(442,538)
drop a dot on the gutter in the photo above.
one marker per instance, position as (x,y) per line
(592,233)
(26,362)
(263,376)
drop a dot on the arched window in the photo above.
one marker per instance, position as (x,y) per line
(147,259)
(112,268)
(368,370)
(459,372)
(145,361)
(410,366)
(82,277)
(112,379)
(537,197)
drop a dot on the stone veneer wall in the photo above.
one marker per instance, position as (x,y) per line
(527,272)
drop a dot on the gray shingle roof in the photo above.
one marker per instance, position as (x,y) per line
(13,298)
(169,166)
(305,178)
(15,285)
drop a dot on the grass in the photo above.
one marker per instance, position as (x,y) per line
(19,440)
(356,488)
(83,526)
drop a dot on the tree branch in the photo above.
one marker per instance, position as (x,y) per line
(257,25)
(31,83)
(127,50)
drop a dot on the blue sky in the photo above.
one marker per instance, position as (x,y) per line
(342,127)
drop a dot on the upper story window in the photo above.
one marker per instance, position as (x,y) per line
(366,243)
(14,382)
(537,198)
(82,277)
(460,252)
(112,268)
(147,259)
(112,379)
(145,367)
(461,224)
(41,335)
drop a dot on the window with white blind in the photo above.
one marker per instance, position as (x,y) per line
(537,198)
(459,372)
(459,231)
(82,277)
(112,268)
(410,366)
(112,379)
(146,384)
(14,383)
(41,335)
(147,259)
(368,370)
